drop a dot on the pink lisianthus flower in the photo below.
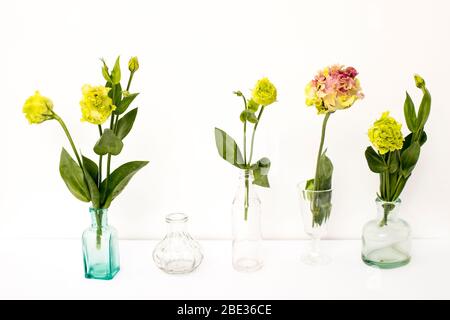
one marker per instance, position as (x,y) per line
(333,88)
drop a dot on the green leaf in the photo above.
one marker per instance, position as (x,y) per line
(260,172)
(393,161)
(249,116)
(424,109)
(410,114)
(400,185)
(320,202)
(408,140)
(108,143)
(91,175)
(309,185)
(124,103)
(228,148)
(409,158)
(325,173)
(73,177)
(126,123)
(118,180)
(375,161)
(115,94)
(423,138)
(252,106)
(105,71)
(91,167)
(115,73)
(320,207)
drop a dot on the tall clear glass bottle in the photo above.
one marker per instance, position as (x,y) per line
(246,222)
(386,241)
(100,247)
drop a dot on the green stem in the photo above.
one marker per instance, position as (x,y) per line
(98,219)
(245,163)
(247,173)
(322,140)
(66,131)
(253,134)
(100,169)
(387,208)
(100,161)
(108,161)
(129,80)
(383,222)
(115,124)
(245,133)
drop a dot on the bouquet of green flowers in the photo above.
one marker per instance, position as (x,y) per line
(333,88)
(83,176)
(397,156)
(263,94)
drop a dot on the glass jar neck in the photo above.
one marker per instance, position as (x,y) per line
(99,217)
(176,222)
(388,210)
(246,175)
(246,180)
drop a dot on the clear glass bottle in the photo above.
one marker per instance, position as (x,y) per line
(100,247)
(178,252)
(246,221)
(315,207)
(386,241)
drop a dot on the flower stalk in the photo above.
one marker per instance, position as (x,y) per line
(263,94)
(334,88)
(392,156)
(319,154)
(83,177)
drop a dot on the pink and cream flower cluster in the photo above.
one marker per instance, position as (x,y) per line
(333,88)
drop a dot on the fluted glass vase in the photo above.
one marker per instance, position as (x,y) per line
(315,208)
(386,240)
(178,252)
(246,222)
(100,247)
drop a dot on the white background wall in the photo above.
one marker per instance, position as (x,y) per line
(193,54)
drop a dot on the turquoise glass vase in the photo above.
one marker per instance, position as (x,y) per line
(100,247)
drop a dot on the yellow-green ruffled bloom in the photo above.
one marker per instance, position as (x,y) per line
(96,106)
(386,134)
(38,108)
(133,64)
(264,92)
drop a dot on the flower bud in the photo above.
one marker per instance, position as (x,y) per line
(133,64)
(420,83)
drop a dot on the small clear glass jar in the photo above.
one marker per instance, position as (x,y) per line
(386,241)
(178,252)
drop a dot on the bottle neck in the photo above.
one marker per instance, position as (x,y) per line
(246,177)
(246,174)
(388,211)
(99,217)
(176,222)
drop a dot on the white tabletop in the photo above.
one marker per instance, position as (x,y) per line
(49,269)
